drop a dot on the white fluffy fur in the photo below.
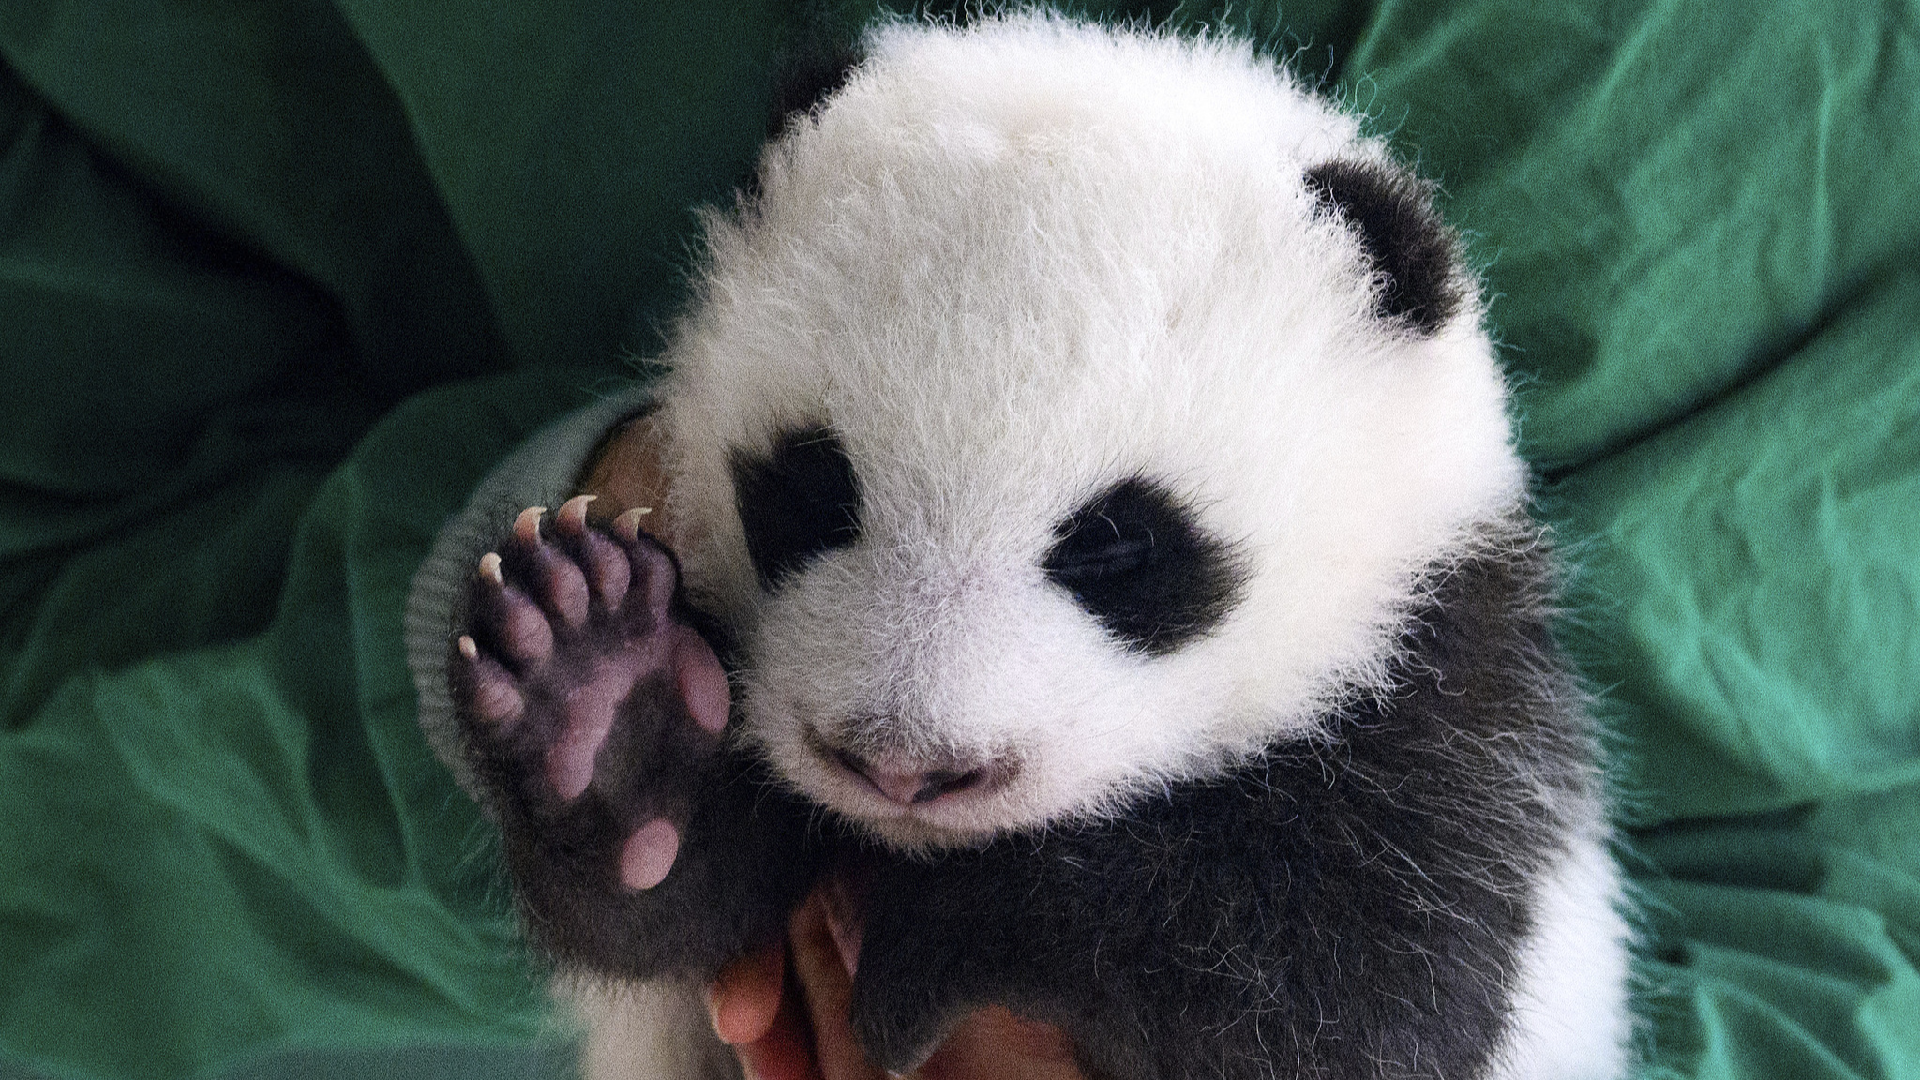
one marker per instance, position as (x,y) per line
(1571,1018)
(1010,266)
(647,1031)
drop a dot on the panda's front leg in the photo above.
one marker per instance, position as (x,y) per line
(640,842)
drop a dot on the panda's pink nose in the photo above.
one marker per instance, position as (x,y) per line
(911,788)
(908,786)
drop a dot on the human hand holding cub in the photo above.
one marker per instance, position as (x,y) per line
(777,1037)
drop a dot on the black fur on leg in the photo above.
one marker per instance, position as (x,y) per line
(745,862)
(745,855)
(1345,906)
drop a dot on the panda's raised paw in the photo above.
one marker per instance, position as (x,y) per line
(586,703)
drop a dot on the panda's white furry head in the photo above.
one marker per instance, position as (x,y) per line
(1071,411)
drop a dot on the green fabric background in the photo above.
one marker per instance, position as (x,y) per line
(279,282)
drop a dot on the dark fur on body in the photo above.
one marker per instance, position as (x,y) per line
(1344,906)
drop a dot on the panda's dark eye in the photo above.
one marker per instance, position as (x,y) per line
(1137,560)
(795,503)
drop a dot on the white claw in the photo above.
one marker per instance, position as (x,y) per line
(627,525)
(490,569)
(468,649)
(573,514)
(527,526)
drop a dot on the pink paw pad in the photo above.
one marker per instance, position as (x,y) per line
(648,854)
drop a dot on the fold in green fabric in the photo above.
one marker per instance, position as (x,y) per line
(278,285)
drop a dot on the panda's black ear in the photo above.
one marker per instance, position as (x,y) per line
(1411,249)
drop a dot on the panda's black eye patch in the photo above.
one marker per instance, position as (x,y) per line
(795,503)
(1137,560)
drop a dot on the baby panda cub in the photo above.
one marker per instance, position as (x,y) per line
(1092,535)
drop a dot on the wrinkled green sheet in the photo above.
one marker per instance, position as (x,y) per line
(279,282)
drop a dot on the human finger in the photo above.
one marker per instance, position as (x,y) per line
(828,988)
(994,1043)
(744,997)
